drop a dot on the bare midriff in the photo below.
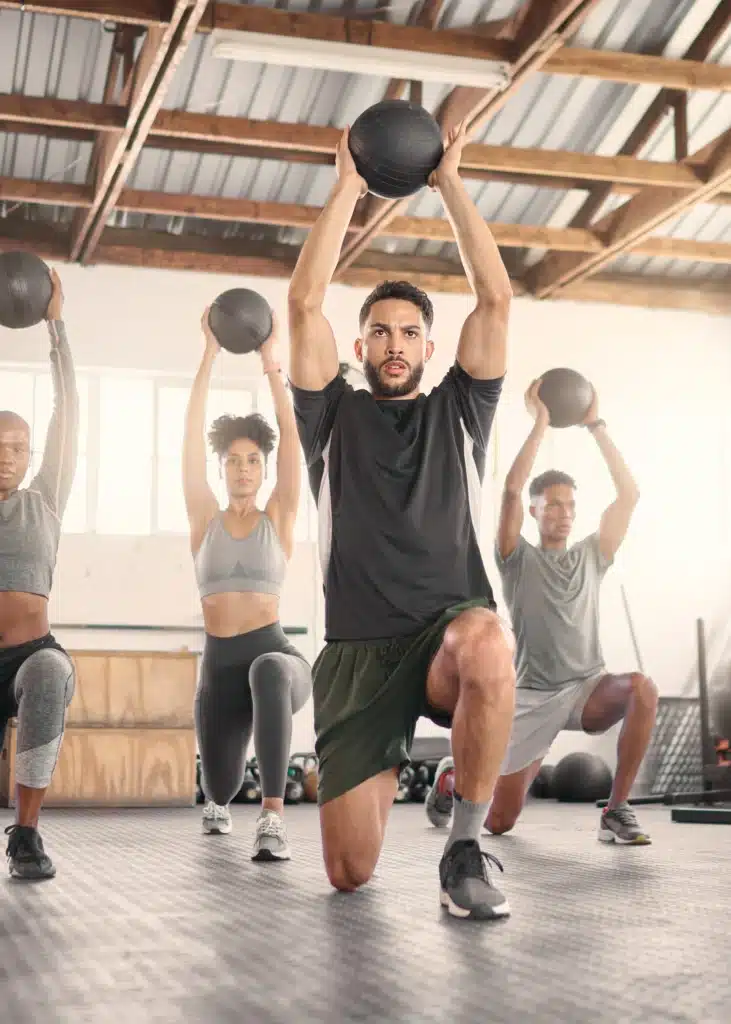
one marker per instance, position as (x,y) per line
(23,617)
(231,614)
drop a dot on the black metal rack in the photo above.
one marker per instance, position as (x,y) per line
(699,806)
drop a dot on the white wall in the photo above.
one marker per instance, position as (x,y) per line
(663,382)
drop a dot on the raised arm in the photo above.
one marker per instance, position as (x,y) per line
(200,501)
(482,350)
(616,518)
(313,351)
(55,477)
(282,505)
(511,510)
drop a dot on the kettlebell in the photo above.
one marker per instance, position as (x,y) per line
(294,789)
(404,784)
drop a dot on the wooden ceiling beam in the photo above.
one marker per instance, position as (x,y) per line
(425,14)
(653,117)
(607,65)
(631,224)
(543,29)
(149,13)
(540,29)
(294,215)
(32,111)
(326,159)
(151,250)
(156,64)
(238,136)
(688,295)
(45,193)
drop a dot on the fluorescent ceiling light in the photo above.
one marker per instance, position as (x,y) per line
(355,58)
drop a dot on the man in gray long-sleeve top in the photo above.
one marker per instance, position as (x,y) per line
(36,674)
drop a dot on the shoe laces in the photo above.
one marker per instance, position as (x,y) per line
(469,860)
(25,839)
(215,812)
(270,824)
(625,815)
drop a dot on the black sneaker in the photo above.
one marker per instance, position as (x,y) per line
(25,853)
(466,888)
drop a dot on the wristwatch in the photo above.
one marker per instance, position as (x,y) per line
(597,423)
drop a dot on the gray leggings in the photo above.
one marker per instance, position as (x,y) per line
(37,683)
(256,682)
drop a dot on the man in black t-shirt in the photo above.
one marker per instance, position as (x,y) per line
(410,623)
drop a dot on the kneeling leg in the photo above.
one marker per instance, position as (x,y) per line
(509,797)
(353,828)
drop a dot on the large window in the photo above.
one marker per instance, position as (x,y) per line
(16,388)
(128,476)
(126,437)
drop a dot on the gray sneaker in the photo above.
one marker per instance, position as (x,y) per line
(440,798)
(620,825)
(270,842)
(466,888)
(216,819)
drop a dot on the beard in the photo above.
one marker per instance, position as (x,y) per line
(384,389)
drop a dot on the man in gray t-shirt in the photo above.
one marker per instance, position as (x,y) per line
(552,591)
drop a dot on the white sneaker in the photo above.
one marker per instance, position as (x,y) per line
(270,842)
(216,819)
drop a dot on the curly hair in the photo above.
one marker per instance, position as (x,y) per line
(399,290)
(227,429)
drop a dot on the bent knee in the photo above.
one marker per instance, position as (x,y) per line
(272,667)
(348,873)
(47,672)
(498,824)
(479,646)
(644,689)
(479,630)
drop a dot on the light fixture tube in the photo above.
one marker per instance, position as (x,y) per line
(355,58)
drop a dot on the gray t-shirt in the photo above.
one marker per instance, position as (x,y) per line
(553,598)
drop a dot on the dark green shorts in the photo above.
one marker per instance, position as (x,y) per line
(368,696)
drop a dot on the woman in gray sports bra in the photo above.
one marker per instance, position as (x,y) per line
(252,679)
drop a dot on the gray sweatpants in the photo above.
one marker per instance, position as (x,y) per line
(39,690)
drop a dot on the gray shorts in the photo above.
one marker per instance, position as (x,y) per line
(540,715)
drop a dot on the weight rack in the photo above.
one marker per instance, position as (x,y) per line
(714,778)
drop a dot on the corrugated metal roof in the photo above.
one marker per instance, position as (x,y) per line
(68,58)
(656,267)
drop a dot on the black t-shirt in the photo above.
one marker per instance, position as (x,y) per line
(397,485)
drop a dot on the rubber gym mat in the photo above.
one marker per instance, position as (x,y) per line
(148,920)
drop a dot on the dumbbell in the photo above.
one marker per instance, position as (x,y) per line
(420,785)
(404,785)
(294,790)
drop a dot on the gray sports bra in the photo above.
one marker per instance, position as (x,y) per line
(226,564)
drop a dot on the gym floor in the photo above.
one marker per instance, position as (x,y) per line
(148,920)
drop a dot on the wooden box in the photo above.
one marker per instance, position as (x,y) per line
(130,735)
